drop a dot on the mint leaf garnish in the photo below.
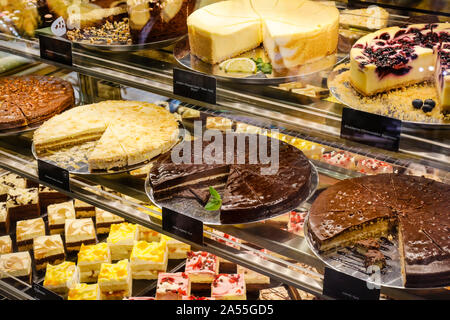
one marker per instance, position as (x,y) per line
(215,201)
(264,67)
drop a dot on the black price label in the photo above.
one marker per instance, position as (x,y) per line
(54,175)
(342,286)
(186,227)
(42,293)
(371,129)
(55,49)
(194,85)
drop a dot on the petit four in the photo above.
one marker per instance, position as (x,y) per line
(229,287)
(48,249)
(121,240)
(57,215)
(90,259)
(4,218)
(139,298)
(177,249)
(115,280)
(16,264)
(79,231)
(104,220)
(48,196)
(197,298)
(201,267)
(277,293)
(341,159)
(61,277)
(83,209)
(296,221)
(148,259)
(146,234)
(5,244)
(83,291)
(172,286)
(10,181)
(27,230)
(23,204)
(253,280)
(373,166)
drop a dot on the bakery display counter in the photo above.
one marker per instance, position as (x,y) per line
(303,110)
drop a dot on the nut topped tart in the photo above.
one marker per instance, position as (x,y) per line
(126,132)
(398,56)
(29,99)
(377,206)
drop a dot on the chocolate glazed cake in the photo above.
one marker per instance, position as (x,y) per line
(29,99)
(247,193)
(374,206)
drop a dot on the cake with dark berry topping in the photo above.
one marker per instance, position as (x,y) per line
(417,209)
(398,56)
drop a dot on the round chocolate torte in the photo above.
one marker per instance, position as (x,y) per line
(416,208)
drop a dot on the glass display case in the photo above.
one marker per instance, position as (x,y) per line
(274,75)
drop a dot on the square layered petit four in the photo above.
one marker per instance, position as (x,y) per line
(48,196)
(121,240)
(176,249)
(146,234)
(201,266)
(90,259)
(57,215)
(4,219)
(104,220)
(60,278)
(84,291)
(253,280)
(173,286)
(17,264)
(48,249)
(229,287)
(27,230)
(148,259)
(83,209)
(5,244)
(115,280)
(197,298)
(296,222)
(23,204)
(10,181)
(79,231)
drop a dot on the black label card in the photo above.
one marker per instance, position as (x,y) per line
(54,175)
(342,286)
(186,227)
(194,85)
(371,129)
(42,293)
(55,49)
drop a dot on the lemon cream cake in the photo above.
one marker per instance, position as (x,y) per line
(176,249)
(121,240)
(293,32)
(126,132)
(398,56)
(16,264)
(78,232)
(84,291)
(57,215)
(48,249)
(27,230)
(61,277)
(90,259)
(115,280)
(148,259)
(146,234)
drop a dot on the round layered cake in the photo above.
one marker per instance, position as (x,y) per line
(416,208)
(398,56)
(126,132)
(30,99)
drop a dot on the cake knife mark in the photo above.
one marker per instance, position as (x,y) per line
(432,240)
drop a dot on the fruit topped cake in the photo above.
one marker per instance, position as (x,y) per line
(399,56)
